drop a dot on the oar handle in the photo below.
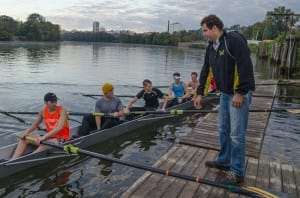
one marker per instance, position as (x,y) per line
(100,114)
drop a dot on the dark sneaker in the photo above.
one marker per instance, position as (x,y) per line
(233,179)
(216,164)
(3,160)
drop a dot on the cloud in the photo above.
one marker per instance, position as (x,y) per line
(148,15)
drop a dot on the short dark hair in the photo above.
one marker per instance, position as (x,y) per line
(147,81)
(176,74)
(50,97)
(212,20)
(194,73)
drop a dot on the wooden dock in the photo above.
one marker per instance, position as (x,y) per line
(201,144)
(190,160)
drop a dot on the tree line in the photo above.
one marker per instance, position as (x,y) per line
(35,28)
(153,38)
(274,26)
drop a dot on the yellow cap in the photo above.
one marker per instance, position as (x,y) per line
(107,87)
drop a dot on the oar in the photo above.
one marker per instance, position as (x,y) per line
(94,96)
(279,83)
(172,112)
(19,119)
(259,84)
(252,192)
(180,112)
(7,113)
(100,114)
(15,117)
(269,96)
(215,94)
(99,95)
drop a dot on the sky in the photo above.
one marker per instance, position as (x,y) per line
(143,15)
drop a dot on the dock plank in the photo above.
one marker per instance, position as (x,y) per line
(263,174)
(175,188)
(275,177)
(164,184)
(203,190)
(190,188)
(297,179)
(153,180)
(289,185)
(142,179)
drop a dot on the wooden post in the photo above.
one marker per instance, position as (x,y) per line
(262,51)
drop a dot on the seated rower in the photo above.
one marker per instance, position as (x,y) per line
(56,122)
(179,89)
(193,84)
(150,95)
(108,104)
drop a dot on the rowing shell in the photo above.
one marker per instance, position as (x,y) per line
(29,159)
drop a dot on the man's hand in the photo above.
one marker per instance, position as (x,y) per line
(237,100)
(23,135)
(126,111)
(116,114)
(197,102)
(41,139)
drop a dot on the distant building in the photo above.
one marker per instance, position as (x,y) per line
(96,26)
(101,29)
(175,27)
(127,32)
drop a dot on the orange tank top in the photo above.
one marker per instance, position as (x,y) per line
(51,121)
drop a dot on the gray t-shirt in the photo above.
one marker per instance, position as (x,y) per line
(111,106)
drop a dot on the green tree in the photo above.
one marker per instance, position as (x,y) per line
(36,28)
(8,28)
(277,21)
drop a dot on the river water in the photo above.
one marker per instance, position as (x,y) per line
(29,70)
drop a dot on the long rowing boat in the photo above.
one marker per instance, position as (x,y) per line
(30,159)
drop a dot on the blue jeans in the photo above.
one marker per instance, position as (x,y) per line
(232,128)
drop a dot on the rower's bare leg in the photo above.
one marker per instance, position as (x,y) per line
(21,147)
(44,147)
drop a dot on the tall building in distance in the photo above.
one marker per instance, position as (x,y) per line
(96,26)
(175,27)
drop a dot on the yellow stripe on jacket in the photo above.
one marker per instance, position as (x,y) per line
(208,81)
(236,81)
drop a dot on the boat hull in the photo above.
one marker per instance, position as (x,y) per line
(33,159)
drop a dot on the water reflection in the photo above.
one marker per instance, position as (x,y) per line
(96,47)
(281,142)
(42,53)
(7,54)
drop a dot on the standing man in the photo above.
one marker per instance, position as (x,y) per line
(228,59)
(55,118)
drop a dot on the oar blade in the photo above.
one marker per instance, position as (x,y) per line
(268,193)
(295,111)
